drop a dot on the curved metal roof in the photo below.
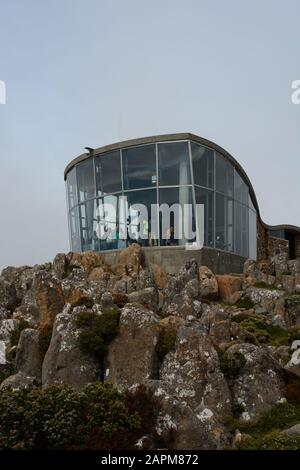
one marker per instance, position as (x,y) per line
(182,136)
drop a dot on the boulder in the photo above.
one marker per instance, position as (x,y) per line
(18,381)
(131,355)
(294,431)
(60,265)
(129,261)
(147,297)
(8,295)
(193,371)
(208,283)
(29,357)
(259,385)
(160,276)
(64,362)
(228,285)
(48,295)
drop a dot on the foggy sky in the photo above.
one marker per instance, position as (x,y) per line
(91,72)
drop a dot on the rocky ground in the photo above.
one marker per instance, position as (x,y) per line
(215,350)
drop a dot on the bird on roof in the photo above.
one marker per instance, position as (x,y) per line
(90,150)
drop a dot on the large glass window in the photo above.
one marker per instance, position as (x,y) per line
(108,173)
(241,192)
(139,167)
(141,212)
(74,228)
(111,222)
(88,221)
(176,216)
(224,176)
(85,180)
(206,197)
(203,165)
(224,223)
(241,229)
(173,164)
(72,188)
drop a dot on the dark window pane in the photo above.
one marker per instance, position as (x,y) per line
(241,192)
(142,222)
(108,173)
(72,188)
(173,164)
(177,223)
(241,229)
(206,198)
(224,223)
(139,167)
(224,176)
(203,165)
(85,180)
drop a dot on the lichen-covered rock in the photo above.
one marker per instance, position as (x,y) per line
(129,261)
(64,362)
(29,357)
(131,355)
(87,261)
(18,381)
(8,295)
(60,265)
(48,295)
(7,328)
(259,384)
(193,371)
(147,297)
(160,275)
(184,427)
(182,295)
(208,283)
(228,285)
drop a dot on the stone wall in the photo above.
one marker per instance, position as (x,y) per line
(172,258)
(278,246)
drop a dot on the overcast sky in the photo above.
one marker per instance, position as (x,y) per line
(91,72)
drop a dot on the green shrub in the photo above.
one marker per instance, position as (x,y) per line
(166,343)
(97,331)
(272,441)
(245,303)
(281,416)
(15,334)
(264,285)
(58,417)
(231,363)
(263,333)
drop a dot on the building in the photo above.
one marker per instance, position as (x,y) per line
(167,169)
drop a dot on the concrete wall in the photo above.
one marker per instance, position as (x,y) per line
(173,258)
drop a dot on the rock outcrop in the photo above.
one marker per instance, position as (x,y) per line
(211,348)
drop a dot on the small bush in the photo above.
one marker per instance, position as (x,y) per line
(166,343)
(231,363)
(245,303)
(265,334)
(97,331)
(15,334)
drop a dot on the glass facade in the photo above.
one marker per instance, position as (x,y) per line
(107,193)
